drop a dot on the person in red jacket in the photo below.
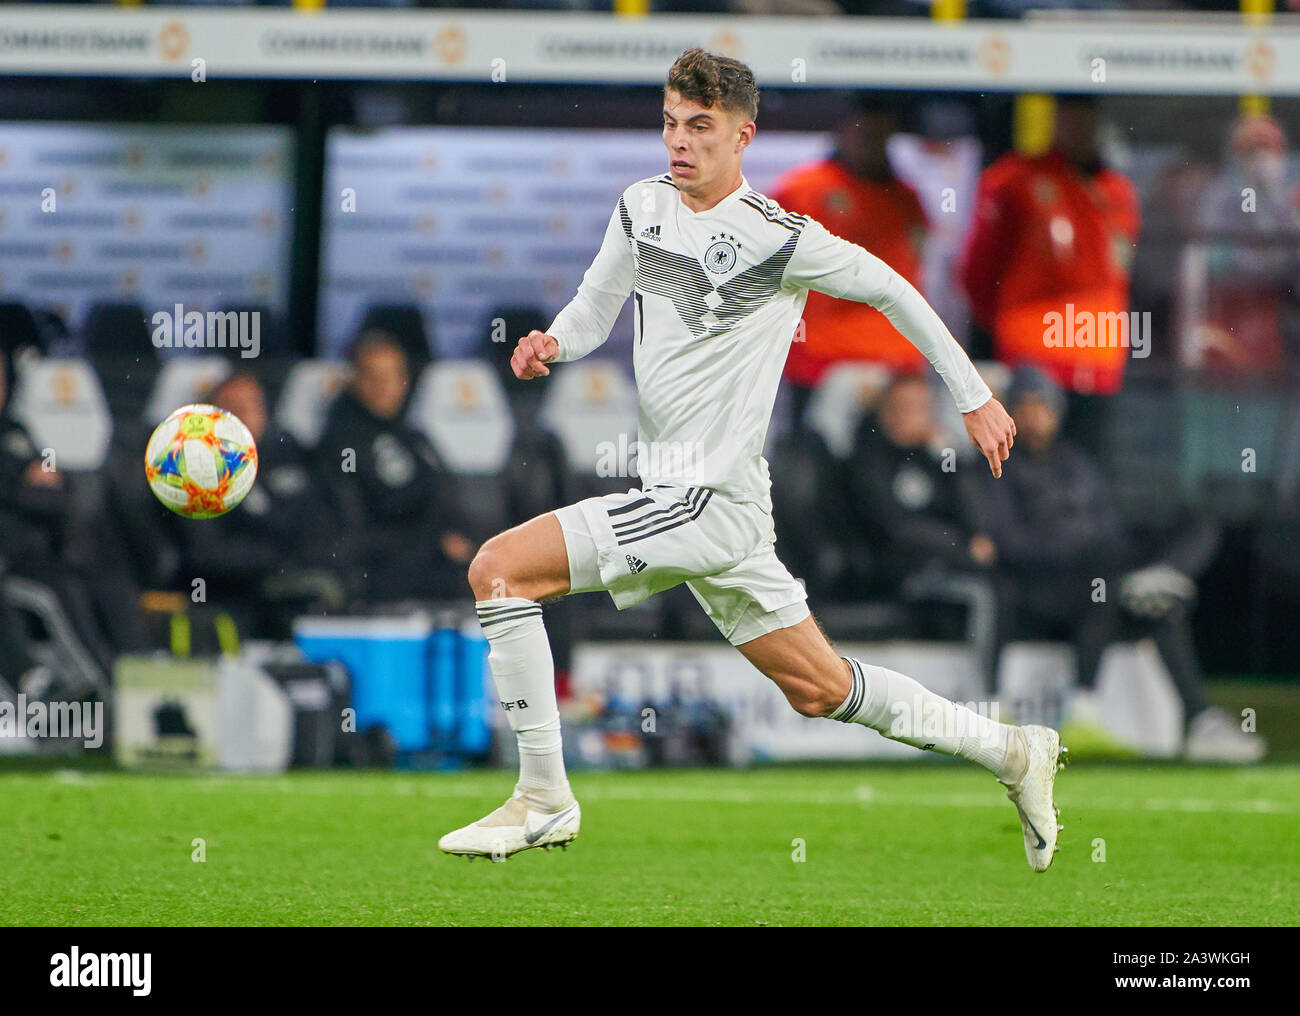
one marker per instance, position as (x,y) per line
(1049,255)
(855,194)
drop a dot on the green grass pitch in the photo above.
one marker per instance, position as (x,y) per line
(928,844)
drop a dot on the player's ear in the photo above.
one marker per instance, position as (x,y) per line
(746,135)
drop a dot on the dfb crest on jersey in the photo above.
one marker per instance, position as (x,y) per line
(720,258)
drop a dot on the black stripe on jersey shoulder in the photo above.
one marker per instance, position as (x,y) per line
(781,213)
(661,178)
(624,215)
(790,220)
(625,218)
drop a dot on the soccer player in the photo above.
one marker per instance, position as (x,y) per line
(720,275)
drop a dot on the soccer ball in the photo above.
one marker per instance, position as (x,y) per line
(201,461)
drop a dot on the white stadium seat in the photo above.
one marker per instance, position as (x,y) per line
(182,382)
(310,388)
(62,405)
(846,391)
(460,406)
(996,375)
(591,408)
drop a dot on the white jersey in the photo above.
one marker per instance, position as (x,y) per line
(719,295)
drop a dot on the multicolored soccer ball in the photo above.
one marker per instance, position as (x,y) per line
(201,461)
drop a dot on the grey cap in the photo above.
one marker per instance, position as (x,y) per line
(1028,380)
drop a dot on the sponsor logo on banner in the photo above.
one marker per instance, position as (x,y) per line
(152,215)
(173,40)
(1189,57)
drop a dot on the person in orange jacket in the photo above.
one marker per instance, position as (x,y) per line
(855,194)
(1047,262)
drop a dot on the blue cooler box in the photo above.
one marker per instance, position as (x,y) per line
(387,658)
(475,692)
(423,677)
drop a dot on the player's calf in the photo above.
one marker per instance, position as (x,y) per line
(1024,759)
(904,710)
(509,575)
(816,682)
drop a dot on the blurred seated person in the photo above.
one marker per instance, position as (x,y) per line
(17,666)
(911,498)
(270,557)
(402,522)
(35,511)
(1056,531)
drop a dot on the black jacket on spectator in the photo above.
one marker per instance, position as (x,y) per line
(31,518)
(282,524)
(394,506)
(916,514)
(1054,512)
(1057,530)
(35,523)
(1055,515)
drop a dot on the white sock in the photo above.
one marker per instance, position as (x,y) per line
(520,659)
(903,710)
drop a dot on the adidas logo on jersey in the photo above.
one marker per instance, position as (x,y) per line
(635,563)
(651,233)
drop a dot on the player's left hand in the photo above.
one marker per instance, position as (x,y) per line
(993,432)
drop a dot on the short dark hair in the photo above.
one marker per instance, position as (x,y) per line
(711,80)
(901,380)
(375,338)
(241,375)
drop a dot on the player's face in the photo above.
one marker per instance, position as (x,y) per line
(704,145)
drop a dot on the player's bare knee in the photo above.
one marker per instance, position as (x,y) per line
(487,572)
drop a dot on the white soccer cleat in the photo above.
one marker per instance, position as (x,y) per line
(517,825)
(1032,794)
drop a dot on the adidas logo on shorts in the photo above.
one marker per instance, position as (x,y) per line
(635,563)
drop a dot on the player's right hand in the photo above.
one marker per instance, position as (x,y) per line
(532,354)
(992,431)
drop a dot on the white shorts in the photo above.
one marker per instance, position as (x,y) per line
(640,543)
